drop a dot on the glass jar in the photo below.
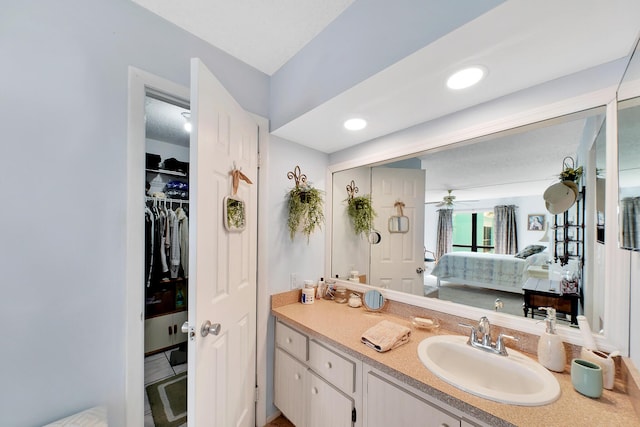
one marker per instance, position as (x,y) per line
(340,295)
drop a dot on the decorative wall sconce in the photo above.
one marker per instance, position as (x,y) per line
(360,211)
(351,189)
(306,205)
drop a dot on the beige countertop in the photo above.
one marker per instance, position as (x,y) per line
(342,326)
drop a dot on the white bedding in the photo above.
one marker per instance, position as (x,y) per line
(491,271)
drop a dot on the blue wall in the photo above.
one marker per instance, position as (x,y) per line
(63,103)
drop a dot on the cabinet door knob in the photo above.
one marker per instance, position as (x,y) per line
(297,376)
(289,340)
(328,365)
(314,390)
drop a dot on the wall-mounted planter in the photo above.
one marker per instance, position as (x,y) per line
(306,206)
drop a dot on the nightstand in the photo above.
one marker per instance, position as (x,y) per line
(546,293)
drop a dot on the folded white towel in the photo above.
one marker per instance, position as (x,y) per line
(385,336)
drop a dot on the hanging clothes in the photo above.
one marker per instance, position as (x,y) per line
(166,242)
(184,240)
(174,244)
(148,246)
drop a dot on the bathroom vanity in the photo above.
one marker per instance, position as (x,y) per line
(325,376)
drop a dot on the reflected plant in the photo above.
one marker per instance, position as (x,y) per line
(361,213)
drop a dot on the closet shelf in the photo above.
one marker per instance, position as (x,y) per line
(167,172)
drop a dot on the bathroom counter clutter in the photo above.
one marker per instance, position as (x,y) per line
(342,327)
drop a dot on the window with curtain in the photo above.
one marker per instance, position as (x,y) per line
(473,231)
(445,232)
(506,230)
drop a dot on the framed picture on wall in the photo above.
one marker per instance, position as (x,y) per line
(535,222)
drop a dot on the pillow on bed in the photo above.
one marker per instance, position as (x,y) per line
(530,250)
(538,259)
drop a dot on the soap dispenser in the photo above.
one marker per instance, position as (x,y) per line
(551,353)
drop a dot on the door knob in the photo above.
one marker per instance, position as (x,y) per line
(209,328)
(419,270)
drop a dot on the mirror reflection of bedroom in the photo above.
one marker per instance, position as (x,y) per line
(505,227)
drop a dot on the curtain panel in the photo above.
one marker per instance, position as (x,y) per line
(506,230)
(445,232)
(630,222)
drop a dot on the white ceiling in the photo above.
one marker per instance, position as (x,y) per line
(263,33)
(521,43)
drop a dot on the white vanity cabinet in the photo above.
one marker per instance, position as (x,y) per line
(289,387)
(326,405)
(315,385)
(389,402)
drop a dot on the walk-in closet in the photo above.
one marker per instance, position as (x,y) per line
(166,213)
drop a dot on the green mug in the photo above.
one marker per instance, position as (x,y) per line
(586,378)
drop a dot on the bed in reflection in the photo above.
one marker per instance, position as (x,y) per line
(505,273)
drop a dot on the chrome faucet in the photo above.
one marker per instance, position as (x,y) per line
(481,338)
(484,329)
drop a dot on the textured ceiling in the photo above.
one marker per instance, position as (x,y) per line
(164,121)
(520,163)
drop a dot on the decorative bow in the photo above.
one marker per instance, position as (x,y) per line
(237,175)
(399,205)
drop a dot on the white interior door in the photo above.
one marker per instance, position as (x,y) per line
(396,260)
(222,264)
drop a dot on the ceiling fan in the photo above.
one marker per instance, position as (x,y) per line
(448,201)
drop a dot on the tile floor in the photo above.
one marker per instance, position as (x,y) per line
(156,368)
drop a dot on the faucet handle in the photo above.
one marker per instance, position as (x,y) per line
(473,331)
(500,347)
(484,328)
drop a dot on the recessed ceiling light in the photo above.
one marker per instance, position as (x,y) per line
(355,124)
(187,123)
(465,78)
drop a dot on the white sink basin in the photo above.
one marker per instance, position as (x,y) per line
(515,379)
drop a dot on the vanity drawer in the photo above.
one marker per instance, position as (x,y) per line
(292,341)
(339,371)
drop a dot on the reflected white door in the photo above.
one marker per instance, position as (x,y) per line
(222,264)
(396,262)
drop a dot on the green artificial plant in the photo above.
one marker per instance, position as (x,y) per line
(571,174)
(569,171)
(361,213)
(306,210)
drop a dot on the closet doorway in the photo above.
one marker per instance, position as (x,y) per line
(166,270)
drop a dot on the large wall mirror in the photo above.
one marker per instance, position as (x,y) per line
(467,181)
(629,155)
